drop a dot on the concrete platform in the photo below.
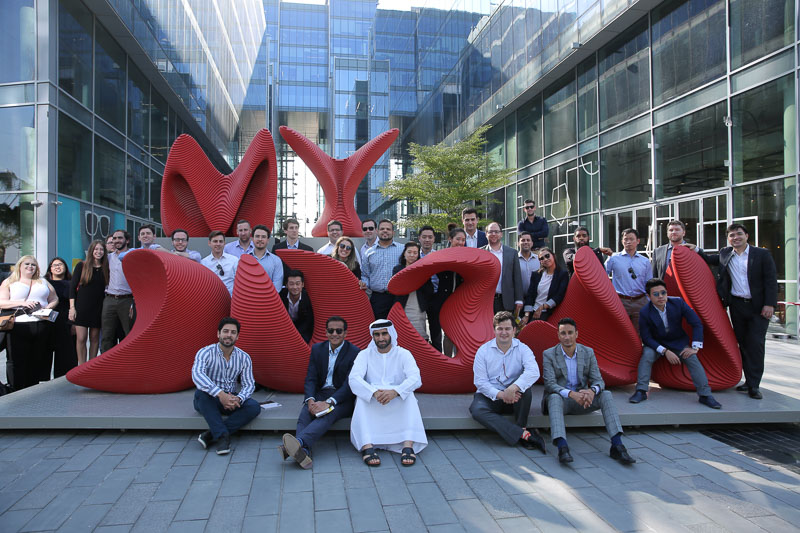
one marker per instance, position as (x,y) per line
(59,404)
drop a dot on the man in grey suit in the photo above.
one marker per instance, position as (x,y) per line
(508,293)
(676,231)
(573,385)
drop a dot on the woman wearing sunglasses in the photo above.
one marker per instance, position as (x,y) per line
(547,289)
(344,251)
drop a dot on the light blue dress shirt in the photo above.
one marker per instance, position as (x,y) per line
(619,265)
(377,265)
(235,249)
(495,371)
(273,266)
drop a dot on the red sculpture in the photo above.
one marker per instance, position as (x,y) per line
(339,178)
(466,316)
(689,277)
(197,197)
(158,353)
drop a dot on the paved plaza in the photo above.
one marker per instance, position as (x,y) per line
(109,480)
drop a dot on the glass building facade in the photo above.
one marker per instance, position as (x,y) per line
(614,113)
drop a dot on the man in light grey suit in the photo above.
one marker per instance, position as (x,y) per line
(508,293)
(676,231)
(573,385)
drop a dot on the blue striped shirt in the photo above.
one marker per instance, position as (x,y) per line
(377,265)
(211,373)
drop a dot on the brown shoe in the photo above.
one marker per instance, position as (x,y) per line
(296,451)
(283,452)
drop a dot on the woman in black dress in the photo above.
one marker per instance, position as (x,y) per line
(64,355)
(86,299)
(448,282)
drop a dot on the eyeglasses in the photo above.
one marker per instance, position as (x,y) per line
(494,232)
(545,256)
(368,228)
(658,293)
(344,246)
(631,272)
(179,239)
(337,331)
(219,270)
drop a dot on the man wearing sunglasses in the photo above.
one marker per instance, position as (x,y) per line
(370,230)
(629,271)
(661,329)
(222,264)
(535,225)
(326,387)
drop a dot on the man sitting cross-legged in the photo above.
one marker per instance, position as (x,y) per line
(505,370)
(326,388)
(223,375)
(573,385)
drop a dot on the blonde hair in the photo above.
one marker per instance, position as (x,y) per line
(350,262)
(14,277)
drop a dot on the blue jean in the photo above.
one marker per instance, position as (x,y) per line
(694,365)
(212,410)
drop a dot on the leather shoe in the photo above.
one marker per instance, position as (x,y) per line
(710,402)
(638,396)
(283,452)
(755,394)
(534,441)
(563,455)
(619,453)
(742,388)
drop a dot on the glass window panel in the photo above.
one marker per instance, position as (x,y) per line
(72,244)
(159,135)
(17,148)
(772,67)
(688,46)
(559,114)
(74,158)
(511,205)
(644,220)
(109,79)
(691,153)
(529,126)
(136,198)
(697,99)
(763,131)
(109,175)
(587,99)
(138,106)
(17,220)
(18,28)
(155,196)
(511,142)
(625,172)
(75,50)
(624,76)
(494,144)
(588,183)
(524,192)
(494,209)
(759,27)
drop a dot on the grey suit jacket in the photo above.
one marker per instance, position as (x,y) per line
(554,370)
(511,282)
(660,261)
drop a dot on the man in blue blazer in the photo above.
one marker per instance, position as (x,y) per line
(661,329)
(326,388)
(475,237)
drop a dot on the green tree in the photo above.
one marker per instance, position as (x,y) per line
(447,179)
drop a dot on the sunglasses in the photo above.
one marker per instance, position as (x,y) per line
(631,272)
(345,247)
(530,207)
(545,256)
(219,270)
(368,228)
(659,293)
(337,331)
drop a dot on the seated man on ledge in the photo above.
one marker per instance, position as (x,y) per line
(573,385)
(223,375)
(661,329)
(326,388)
(505,370)
(297,303)
(384,378)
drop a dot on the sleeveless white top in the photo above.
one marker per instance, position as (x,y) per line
(39,293)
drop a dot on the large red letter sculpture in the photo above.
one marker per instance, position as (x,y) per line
(466,316)
(339,178)
(178,306)
(197,197)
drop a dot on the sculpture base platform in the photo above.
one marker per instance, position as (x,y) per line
(59,404)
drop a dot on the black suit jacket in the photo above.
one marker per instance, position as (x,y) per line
(318,371)
(558,287)
(761,276)
(305,314)
(425,293)
(283,246)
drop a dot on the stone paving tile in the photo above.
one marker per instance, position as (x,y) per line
(65,452)
(187,526)
(192,454)
(390,487)
(450,482)
(447,528)
(467,466)
(774,524)
(156,517)
(176,445)
(199,500)
(482,449)
(57,511)
(176,483)
(296,512)
(45,491)
(140,454)
(497,502)
(510,480)
(265,496)
(269,463)
(120,448)
(85,518)
(329,491)
(97,471)
(14,520)
(326,457)
(9,498)
(403,518)
(260,524)
(472,516)
(337,520)
(431,504)
(545,516)
(245,453)
(157,468)
(110,490)
(227,514)
(130,505)
(37,473)
(238,479)
(515,525)
(366,512)
(295,479)
(213,466)
(82,460)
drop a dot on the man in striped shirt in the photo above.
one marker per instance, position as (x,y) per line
(223,375)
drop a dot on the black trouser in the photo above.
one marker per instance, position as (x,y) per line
(28,349)
(63,346)
(381,304)
(434,308)
(490,415)
(750,329)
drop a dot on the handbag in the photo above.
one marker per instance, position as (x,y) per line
(7,320)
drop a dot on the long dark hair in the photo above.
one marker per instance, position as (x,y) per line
(49,275)
(88,263)
(409,244)
(552,257)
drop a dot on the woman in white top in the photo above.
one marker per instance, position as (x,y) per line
(27,292)
(547,289)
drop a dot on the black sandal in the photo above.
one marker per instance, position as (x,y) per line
(368,455)
(408,455)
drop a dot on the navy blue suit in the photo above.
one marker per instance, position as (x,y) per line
(538,229)
(482,239)
(309,427)
(672,337)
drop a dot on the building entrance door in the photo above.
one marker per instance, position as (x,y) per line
(705,217)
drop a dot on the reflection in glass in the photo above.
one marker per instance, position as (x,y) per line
(587,99)
(691,153)
(155,196)
(75,50)
(17,149)
(109,175)
(588,183)
(109,79)
(158,127)
(763,132)
(759,27)
(138,105)
(136,198)
(16,226)
(625,172)
(18,28)
(688,46)
(529,126)
(559,114)
(74,158)
(624,70)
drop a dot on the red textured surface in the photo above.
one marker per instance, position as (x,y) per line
(197,197)
(339,178)
(602,322)
(689,277)
(333,290)
(170,327)
(539,335)
(466,316)
(279,354)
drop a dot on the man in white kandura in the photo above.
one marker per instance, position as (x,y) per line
(384,378)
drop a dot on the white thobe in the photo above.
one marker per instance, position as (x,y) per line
(386,426)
